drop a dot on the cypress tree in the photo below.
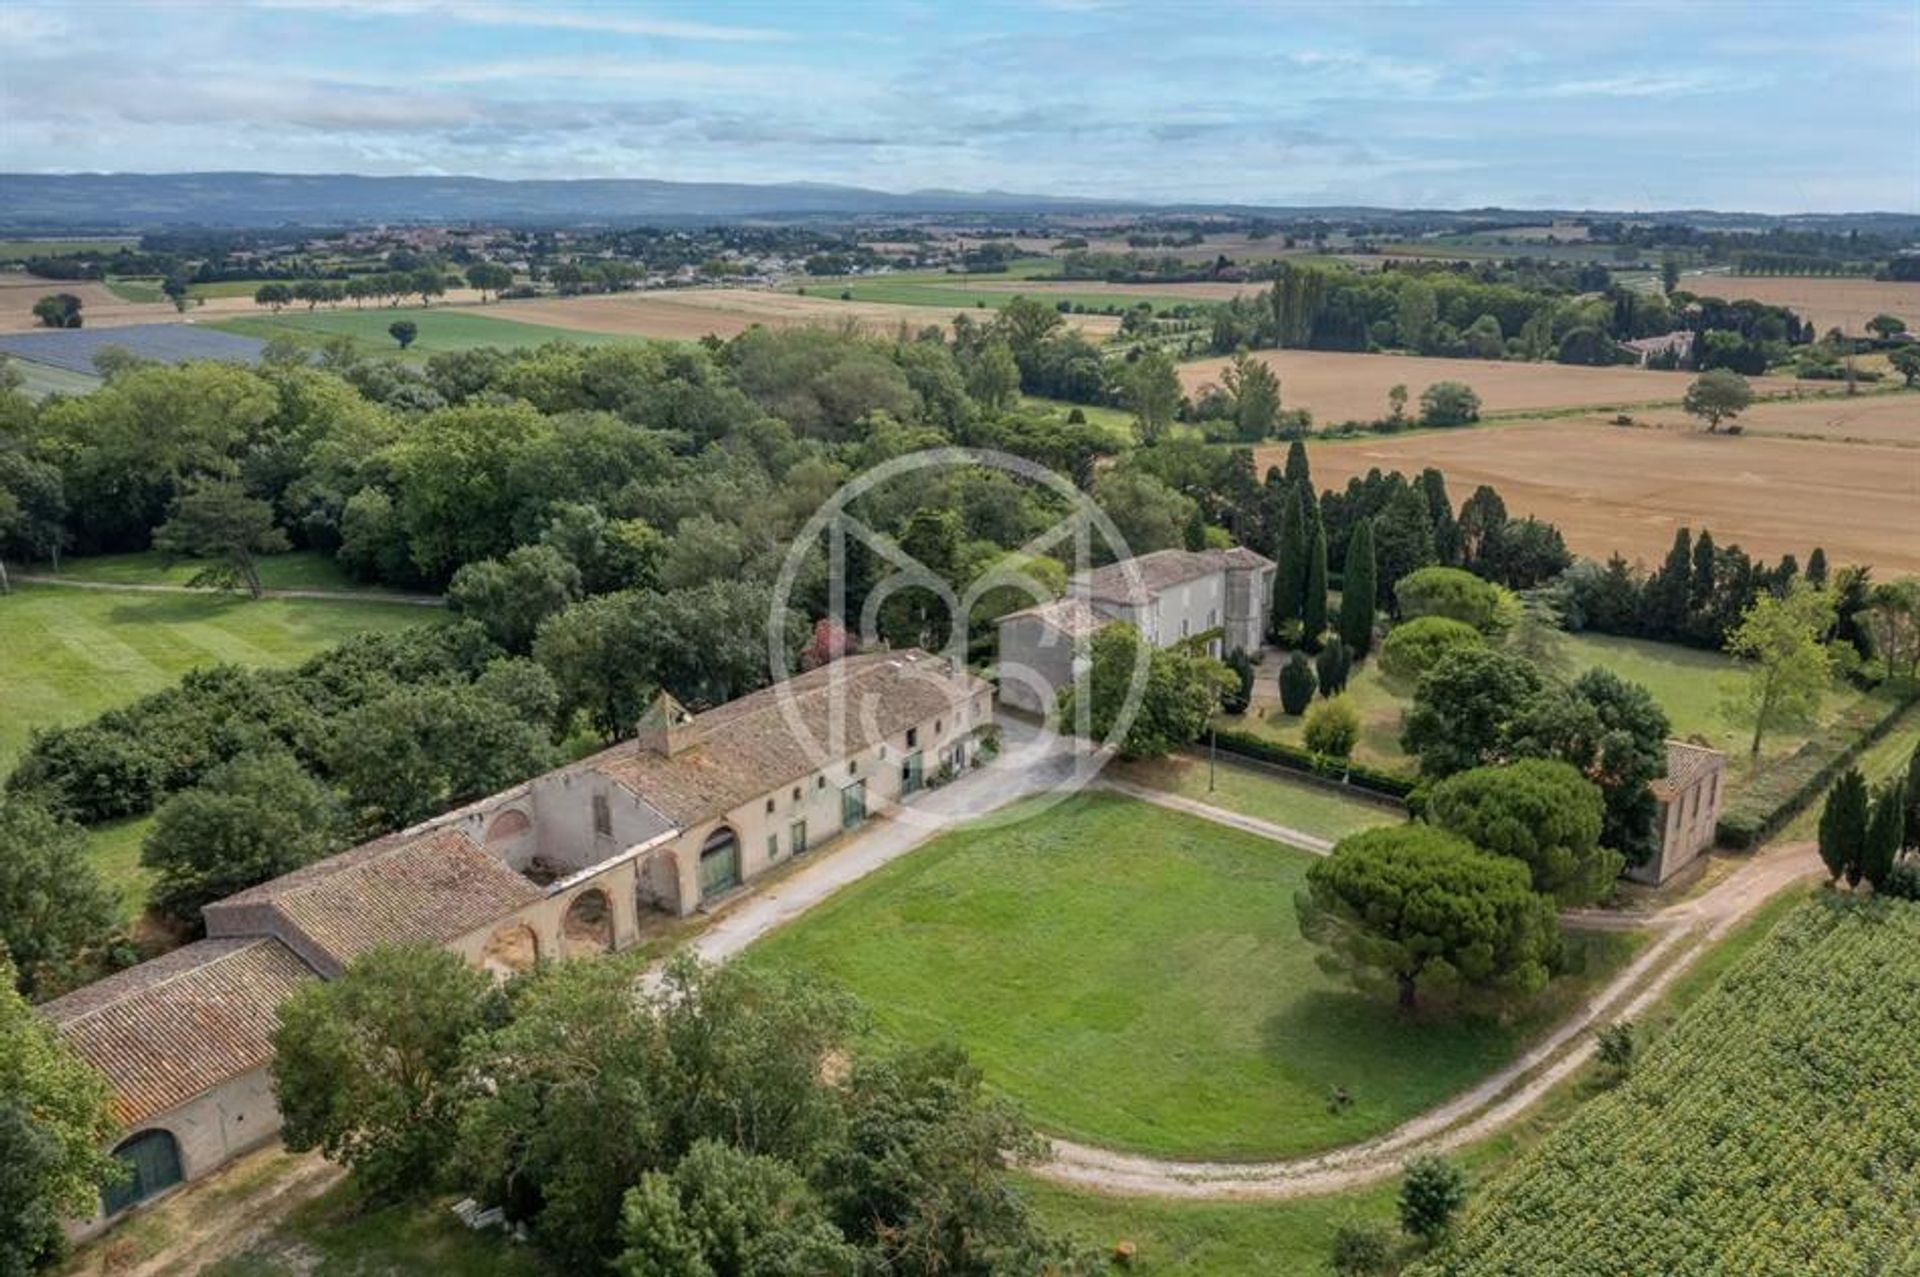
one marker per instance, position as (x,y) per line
(1912,822)
(1298,475)
(1817,568)
(1290,575)
(1296,684)
(1843,826)
(1402,537)
(1881,846)
(1332,667)
(1313,607)
(1700,588)
(1359,592)
(1667,592)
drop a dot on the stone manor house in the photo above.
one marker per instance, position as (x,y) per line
(573,862)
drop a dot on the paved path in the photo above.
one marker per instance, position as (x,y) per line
(154,587)
(1219,815)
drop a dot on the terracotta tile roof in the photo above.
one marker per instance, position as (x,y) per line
(1072,617)
(1139,579)
(171,1029)
(771,738)
(426,887)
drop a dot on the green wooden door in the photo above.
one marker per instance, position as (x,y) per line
(719,866)
(912,773)
(853,805)
(153,1158)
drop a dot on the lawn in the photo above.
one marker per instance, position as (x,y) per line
(1263,793)
(1686,681)
(1135,977)
(69,654)
(442,329)
(297,570)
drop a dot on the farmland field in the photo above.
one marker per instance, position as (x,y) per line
(1613,489)
(691,313)
(1769,1133)
(1136,977)
(19,250)
(1844,303)
(74,349)
(441,328)
(1343,386)
(992,292)
(1889,416)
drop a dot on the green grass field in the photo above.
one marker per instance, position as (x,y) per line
(1261,793)
(19,250)
(442,329)
(1136,977)
(297,570)
(37,381)
(143,288)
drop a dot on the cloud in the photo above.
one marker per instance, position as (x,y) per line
(609,20)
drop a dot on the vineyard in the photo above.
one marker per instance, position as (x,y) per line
(1774,1132)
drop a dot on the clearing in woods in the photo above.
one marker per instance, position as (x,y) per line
(1612,489)
(1344,386)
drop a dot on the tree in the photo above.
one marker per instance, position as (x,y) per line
(489,277)
(1788,666)
(512,598)
(1414,647)
(1542,813)
(253,818)
(1463,709)
(1332,666)
(1669,274)
(1458,595)
(53,907)
(1313,603)
(1892,620)
(1332,728)
(1906,362)
(429,283)
(1402,536)
(1844,822)
(1430,1196)
(1179,694)
(1151,388)
(1414,313)
(722,1210)
(58,310)
(993,378)
(366,1067)
(1255,391)
(1449,403)
(217,521)
(1290,572)
(403,331)
(1148,514)
(1614,733)
(1886,327)
(1359,592)
(1912,819)
(274,296)
(56,1118)
(1397,403)
(1236,698)
(1717,395)
(1410,904)
(1886,832)
(1296,684)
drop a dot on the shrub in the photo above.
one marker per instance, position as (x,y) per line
(1359,1251)
(1458,595)
(1432,1194)
(1412,649)
(1332,667)
(1299,759)
(1333,728)
(1449,403)
(1903,883)
(1235,699)
(1296,684)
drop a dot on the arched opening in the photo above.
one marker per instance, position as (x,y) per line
(719,862)
(153,1162)
(512,947)
(507,826)
(587,927)
(657,885)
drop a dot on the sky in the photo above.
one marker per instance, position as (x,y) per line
(1752,105)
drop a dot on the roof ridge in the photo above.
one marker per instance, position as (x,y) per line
(239,945)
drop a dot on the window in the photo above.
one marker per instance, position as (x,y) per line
(769,806)
(1183,627)
(937,728)
(819,782)
(1213,617)
(796,793)
(773,846)
(853,767)
(913,737)
(602,816)
(797,836)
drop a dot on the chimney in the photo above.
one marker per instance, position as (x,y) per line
(666,728)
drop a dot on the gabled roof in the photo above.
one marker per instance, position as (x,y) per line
(1687,764)
(1070,616)
(754,745)
(171,1029)
(1140,579)
(408,888)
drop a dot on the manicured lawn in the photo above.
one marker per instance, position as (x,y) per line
(298,570)
(442,329)
(1262,793)
(69,654)
(1136,977)
(1378,705)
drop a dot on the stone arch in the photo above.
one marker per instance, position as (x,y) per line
(507,826)
(719,862)
(657,884)
(587,926)
(513,946)
(153,1161)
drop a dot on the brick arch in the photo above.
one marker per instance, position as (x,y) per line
(586,928)
(507,825)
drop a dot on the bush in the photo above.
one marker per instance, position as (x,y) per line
(1296,684)
(1236,698)
(1434,1191)
(1333,728)
(1449,403)
(1458,595)
(1412,649)
(1903,883)
(1333,666)
(1296,758)
(1360,1251)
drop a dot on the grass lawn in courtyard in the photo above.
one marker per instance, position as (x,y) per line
(1264,793)
(441,329)
(1136,977)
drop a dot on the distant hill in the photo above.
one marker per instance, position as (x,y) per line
(32,200)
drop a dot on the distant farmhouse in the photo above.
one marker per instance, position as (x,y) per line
(1678,344)
(1217,597)
(567,864)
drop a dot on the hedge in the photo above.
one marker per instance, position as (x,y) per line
(1293,758)
(1771,800)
